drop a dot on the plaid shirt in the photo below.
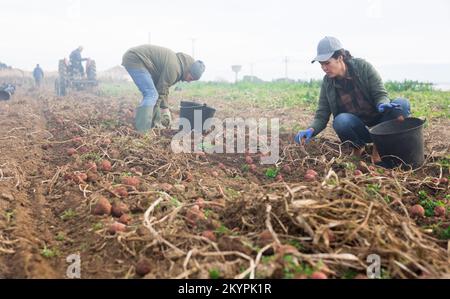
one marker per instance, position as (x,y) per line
(352,100)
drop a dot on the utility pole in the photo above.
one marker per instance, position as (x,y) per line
(193,46)
(286,61)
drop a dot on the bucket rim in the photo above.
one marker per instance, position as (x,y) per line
(423,121)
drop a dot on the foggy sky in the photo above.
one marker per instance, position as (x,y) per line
(411,34)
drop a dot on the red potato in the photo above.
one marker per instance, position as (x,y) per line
(200,202)
(311,172)
(102,207)
(309,177)
(248,160)
(46,146)
(90,166)
(83,150)
(117,227)
(131,181)
(443,181)
(265,238)
(194,214)
(119,208)
(439,211)
(252,167)
(105,165)
(358,172)
(417,211)
(318,275)
(71,151)
(214,174)
(209,234)
(115,154)
(221,166)
(125,219)
(121,191)
(287,169)
(77,139)
(68,176)
(279,178)
(143,267)
(92,177)
(80,177)
(188,177)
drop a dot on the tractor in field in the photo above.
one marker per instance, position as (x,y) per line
(72,77)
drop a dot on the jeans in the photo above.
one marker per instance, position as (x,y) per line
(350,128)
(146,86)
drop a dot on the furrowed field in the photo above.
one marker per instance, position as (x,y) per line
(75,178)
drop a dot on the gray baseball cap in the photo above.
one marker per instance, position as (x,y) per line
(326,48)
(197,69)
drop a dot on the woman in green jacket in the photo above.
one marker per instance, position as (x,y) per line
(354,93)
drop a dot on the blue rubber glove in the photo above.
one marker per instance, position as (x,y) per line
(307,134)
(383,107)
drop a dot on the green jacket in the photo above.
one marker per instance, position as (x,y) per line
(165,66)
(368,80)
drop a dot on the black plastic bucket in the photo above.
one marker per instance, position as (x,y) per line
(6,91)
(191,110)
(400,142)
(4,95)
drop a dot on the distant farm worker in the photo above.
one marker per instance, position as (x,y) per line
(353,92)
(38,75)
(154,69)
(76,60)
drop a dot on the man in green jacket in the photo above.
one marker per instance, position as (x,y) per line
(154,69)
(354,93)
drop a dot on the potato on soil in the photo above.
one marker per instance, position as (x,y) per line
(116,227)
(143,267)
(90,166)
(286,169)
(119,208)
(121,191)
(358,172)
(248,160)
(194,215)
(131,181)
(209,234)
(264,238)
(71,151)
(102,207)
(439,211)
(318,275)
(80,178)
(417,211)
(105,165)
(125,219)
(252,167)
(92,177)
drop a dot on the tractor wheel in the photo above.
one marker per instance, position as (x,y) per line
(60,87)
(91,70)
(62,69)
